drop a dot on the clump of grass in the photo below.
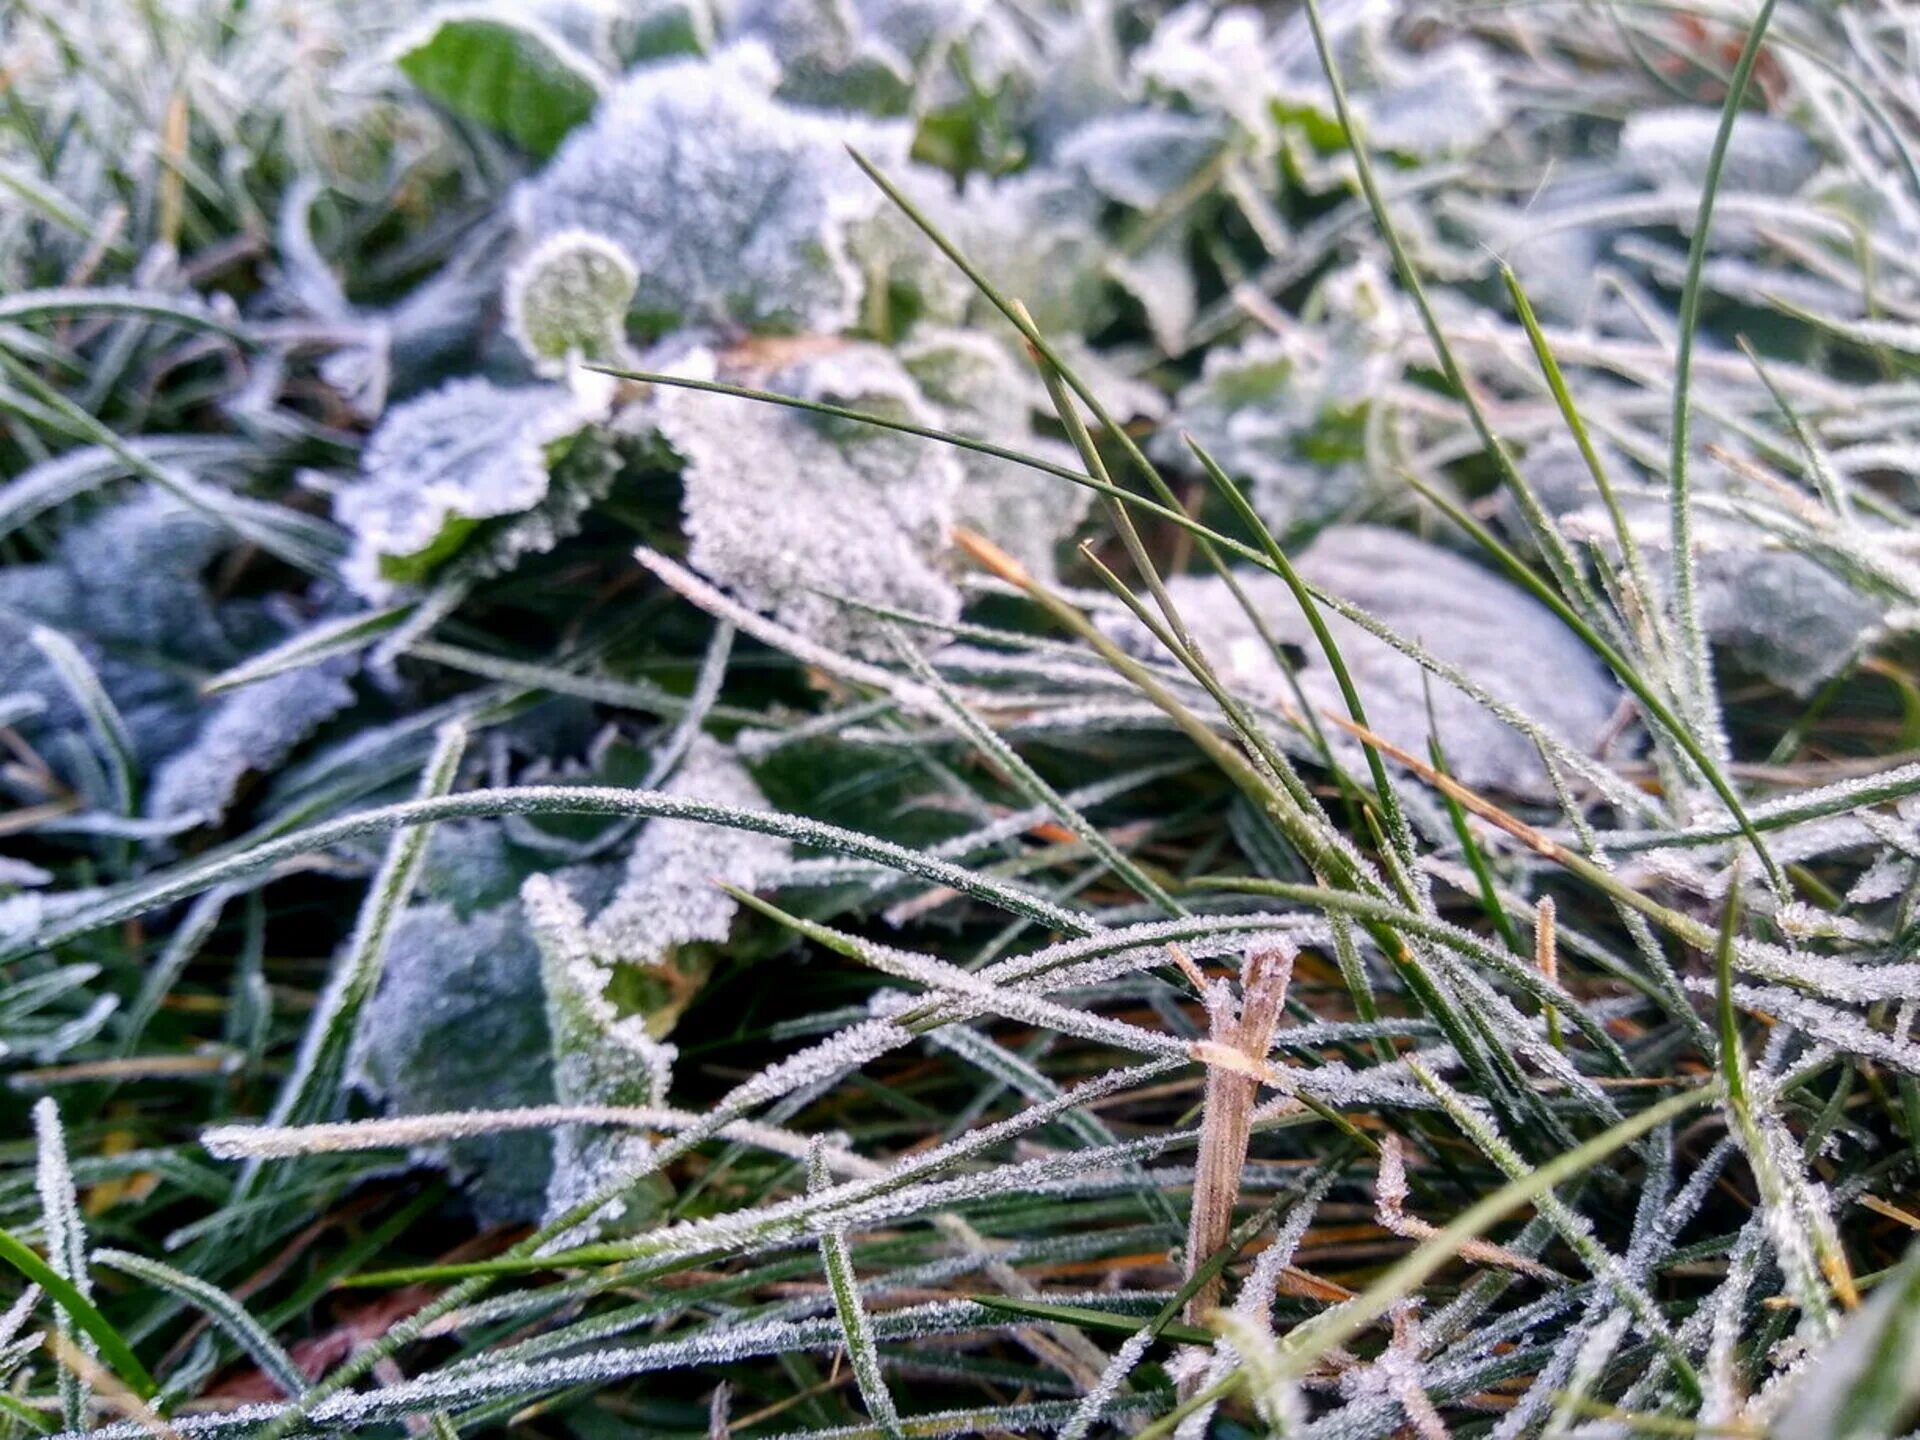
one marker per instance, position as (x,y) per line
(1216,742)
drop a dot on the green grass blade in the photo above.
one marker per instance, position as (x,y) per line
(1697,692)
(114,1350)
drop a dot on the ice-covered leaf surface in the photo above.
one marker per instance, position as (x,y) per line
(569,296)
(733,205)
(250,731)
(787,509)
(437,466)
(670,895)
(459,1023)
(1286,415)
(1669,149)
(1783,615)
(602,1054)
(976,388)
(1461,615)
(820,924)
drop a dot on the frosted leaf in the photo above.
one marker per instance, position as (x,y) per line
(438,465)
(1213,58)
(471,865)
(1139,158)
(732,205)
(135,572)
(1444,102)
(251,730)
(1037,235)
(126,586)
(601,1056)
(1265,413)
(1439,100)
(669,897)
(1669,149)
(826,54)
(980,391)
(569,296)
(1161,281)
(1511,645)
(1783,615)
(1885,878)
(1285,415)
(782,505)
(459,1023)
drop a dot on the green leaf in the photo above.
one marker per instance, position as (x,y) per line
(531,87)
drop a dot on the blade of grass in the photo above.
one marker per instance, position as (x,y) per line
(114,1350)
(1698,693)
(1670,723)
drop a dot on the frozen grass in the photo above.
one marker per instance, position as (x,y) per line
(1218,741)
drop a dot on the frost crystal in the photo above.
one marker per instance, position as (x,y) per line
(732,205)
(251,731)
(569,296)
(781,506)
(438,465)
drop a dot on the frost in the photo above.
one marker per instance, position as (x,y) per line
(1214,59)
(1446,102)
(1850,1033)
(615,989)
(131,576)
(733,206)
(1286,415)
(568,297)
(827,53)
(670,896)
(1513,647)
(600,1055)
(781,505)
(126,586)
(1668,149)
(458,1023)
(1783,615)
(981,392)
(1139,158)
(437,466)
(1035,234)
(251,730)
(1441,99)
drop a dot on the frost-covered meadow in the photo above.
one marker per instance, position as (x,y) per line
(909,718)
